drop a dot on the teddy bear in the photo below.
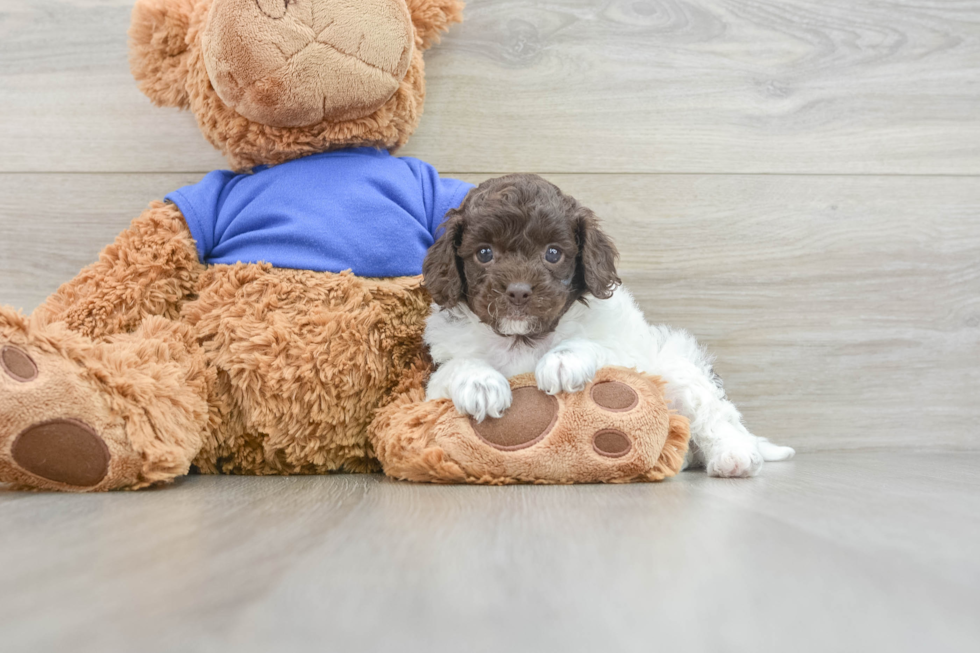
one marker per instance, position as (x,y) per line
(268,319)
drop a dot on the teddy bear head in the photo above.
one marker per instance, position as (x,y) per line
(273,80)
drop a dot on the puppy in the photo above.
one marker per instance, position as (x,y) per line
(524,280)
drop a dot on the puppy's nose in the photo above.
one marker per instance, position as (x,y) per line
(519,293)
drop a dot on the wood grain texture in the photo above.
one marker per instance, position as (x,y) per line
(55,224)
(853,551)
(843,305)
(844,311)
(781,86)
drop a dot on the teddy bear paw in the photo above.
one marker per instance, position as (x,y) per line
(50,423)
(618,429)
(614,430)
(531,417)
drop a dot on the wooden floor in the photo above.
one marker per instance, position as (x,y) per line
(850,551)
(795,181)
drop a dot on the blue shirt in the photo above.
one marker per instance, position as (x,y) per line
(358,209)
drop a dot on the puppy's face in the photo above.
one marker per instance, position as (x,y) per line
(519,253)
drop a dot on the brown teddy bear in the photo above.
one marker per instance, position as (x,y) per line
(268,320)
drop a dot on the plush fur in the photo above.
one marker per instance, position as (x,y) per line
(319,62)
(564,322)
(430,441)
(167,58)
(148,364)
(238,369)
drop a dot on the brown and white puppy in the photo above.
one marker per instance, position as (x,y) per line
(525,280)
(519,253)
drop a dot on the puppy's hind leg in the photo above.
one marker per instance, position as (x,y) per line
(772,453)
(719,440)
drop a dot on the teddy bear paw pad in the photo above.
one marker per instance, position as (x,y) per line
(64,451)
(611,443)
(615,396)
(531,416)
(17,364)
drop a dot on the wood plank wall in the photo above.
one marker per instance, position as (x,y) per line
(795,181)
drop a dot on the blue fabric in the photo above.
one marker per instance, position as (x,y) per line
(359,209)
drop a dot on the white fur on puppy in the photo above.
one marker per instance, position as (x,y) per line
(568,367)
(475,388)
(474,363)
(524,280)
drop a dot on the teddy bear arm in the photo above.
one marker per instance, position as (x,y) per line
(150,270)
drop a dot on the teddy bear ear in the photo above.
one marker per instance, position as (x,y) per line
(432,17)
(158,49)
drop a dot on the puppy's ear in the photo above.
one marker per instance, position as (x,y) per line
(158,50)
(442,269)
(597,257)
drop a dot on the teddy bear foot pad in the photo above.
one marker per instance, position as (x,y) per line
(62,451)
(534,415)
(617,430)
(47,440)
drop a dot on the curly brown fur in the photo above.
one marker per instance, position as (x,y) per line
(519,251)
(304,360)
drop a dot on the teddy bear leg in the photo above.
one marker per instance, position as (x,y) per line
(81,415)
(617,430)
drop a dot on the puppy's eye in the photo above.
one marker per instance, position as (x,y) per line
(552,255)
(484,255)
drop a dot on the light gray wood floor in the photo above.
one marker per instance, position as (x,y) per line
(851,551)
(795,181)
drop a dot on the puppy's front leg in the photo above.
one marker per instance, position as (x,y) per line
(475,387)
(569,366)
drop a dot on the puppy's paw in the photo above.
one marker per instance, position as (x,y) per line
(734,459)
(482,394)
(773,452)
(565,370)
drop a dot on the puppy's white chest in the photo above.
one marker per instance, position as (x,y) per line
(511,358)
